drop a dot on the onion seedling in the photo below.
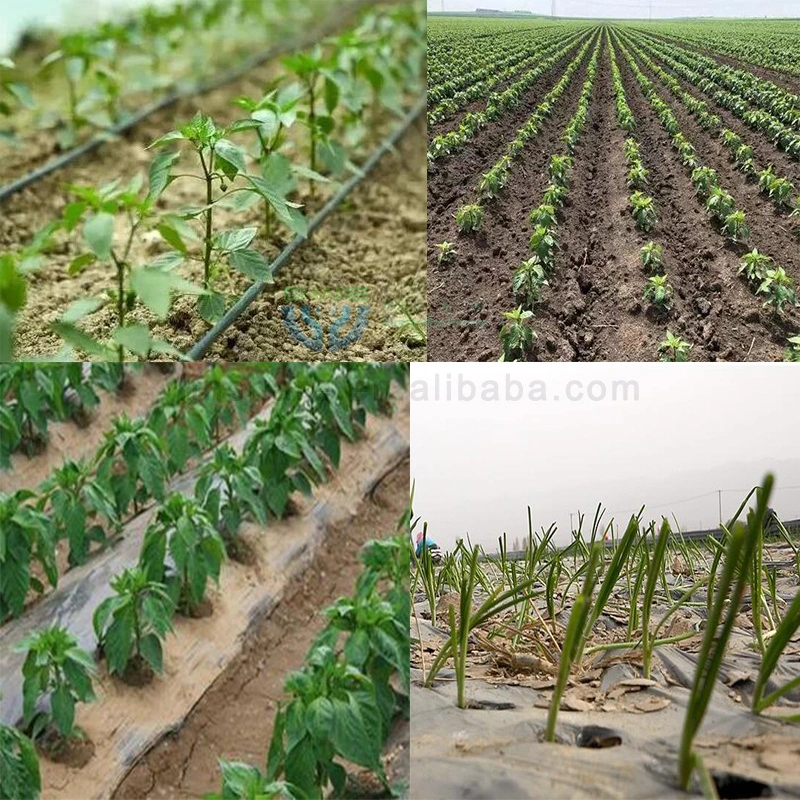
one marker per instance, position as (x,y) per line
(655,570)
(742,540)
(573,637)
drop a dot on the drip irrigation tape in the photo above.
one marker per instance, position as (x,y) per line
(202,346)
(174,97)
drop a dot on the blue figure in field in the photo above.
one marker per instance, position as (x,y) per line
(431,546)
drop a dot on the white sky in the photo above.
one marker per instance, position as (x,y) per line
(695,428)
(631,8)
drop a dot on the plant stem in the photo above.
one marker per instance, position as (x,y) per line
(209,213)
(312,123)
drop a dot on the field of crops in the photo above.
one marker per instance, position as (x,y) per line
(243,180)
(640,663)
(616,192)
(204,580)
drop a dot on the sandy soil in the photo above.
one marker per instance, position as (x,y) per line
(234,718)
(593,308)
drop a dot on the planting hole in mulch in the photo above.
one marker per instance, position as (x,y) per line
(73,752)
(598,737)
(731,786)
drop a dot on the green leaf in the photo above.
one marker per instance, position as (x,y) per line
(172,237)
(211,306)
(77,265)
(172,136)
(252,264)
(154,288)
(230,241)
(63,707)
(118,640)
(82,341)
(150,647)
(99,235)
(135,338)
(357,733)
(231,158)
(80,309)
(159,175)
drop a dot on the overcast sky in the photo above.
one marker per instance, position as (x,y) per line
(631,8)
(695,428)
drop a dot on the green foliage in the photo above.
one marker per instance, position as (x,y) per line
(673,348)
(26,534)
(643,210)
(778,288)
(82,509)
(447,251)
(183,530)
(659,292)
(543,245)
(244,782)
(469,217)
(515,336)
(754,266)
(55,666)
(132,623)
(131,463)
(19,766)
(529,280)
(651,256)
(793,349)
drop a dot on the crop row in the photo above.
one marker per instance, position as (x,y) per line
(771,45)
(331,91)
(531,275)
(34,397)
(86,502)
(94,70)
(188,539)
(778,112)
(477,82)
(446,144)
(567,591)
(767,279)
(778,188)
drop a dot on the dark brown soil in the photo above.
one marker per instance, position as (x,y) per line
(137,673)
(199,610)
(234,718)
(74,752)
(593,309)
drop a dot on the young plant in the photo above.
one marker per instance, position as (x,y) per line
(651,256)
(221,163)
(754,266)
(778,288)
(720,204)
(643,210)
(558,168)
(244,782)
(55,666)
(573,638)
(227,489)
(469,218)
(730,591)
(543,215)
(20,778)
(705,180)
(131,624)
(654,571)
(543,245)
(184,530)
(529,280)
(673,348)
(447,251)
(131,464)
(734,226)
(78,504)
(554,195)
(659,292)
(26,534)
(793,349)
(515,336)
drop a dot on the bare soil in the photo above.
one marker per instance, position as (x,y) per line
(593,309)
(233,720)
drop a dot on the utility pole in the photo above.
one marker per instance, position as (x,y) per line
(719,495)
(571,515)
